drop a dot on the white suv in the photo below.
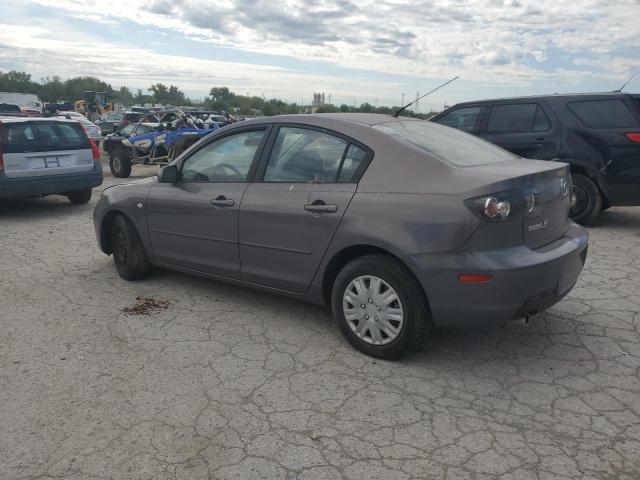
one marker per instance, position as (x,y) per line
(47,156)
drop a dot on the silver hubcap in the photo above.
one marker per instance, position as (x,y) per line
(373,310)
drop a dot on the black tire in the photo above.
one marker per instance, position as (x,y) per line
(119,163)
(417,324)
(128,252)
(80,196)
(586,201)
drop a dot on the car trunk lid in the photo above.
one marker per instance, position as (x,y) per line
(543,190)
(40,148)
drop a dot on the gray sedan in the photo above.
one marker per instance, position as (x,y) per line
(398,224)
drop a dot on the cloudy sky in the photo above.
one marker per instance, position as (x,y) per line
(355,50)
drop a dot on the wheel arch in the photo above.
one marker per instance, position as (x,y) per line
(581,170)
(105,229)
(346,255)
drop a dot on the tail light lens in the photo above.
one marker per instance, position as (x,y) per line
(95,151)
(634,137)
(496,207)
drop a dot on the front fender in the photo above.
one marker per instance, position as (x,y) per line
(128,199)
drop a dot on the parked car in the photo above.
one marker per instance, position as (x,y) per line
(598,135)
(47,156)
(397,223)
(111,122)
(93,131)
(12,110)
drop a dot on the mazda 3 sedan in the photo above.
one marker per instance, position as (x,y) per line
(398,224)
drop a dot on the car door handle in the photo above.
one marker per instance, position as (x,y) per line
(317,207)
(222,201)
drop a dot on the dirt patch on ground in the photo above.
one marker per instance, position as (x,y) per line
(146,306)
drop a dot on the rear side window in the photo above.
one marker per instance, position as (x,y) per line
(461,118)
(446,144)
(43,137)
(305,155)
(518,118)
(604,114)
(132,117)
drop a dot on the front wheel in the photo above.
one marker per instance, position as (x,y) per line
(380,307)
(119,164)
(80,196)
(586,201)
(128,252)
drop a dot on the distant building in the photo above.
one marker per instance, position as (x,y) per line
(318,101)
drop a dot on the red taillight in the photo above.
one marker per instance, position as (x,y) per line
(634,137)
(468,278)
(95,151)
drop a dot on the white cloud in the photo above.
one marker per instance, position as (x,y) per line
(483,39)
(515,44)
(35,51)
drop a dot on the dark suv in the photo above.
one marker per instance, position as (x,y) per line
(597,134)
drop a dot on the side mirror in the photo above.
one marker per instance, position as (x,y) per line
(168,174)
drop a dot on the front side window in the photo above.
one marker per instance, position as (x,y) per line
(228,159)
(461,118)
(518,118)
(604,114)
(305,155)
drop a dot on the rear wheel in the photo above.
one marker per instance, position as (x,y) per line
(128,252)
(586,201)
(80,196)
(119,163)
(380,307)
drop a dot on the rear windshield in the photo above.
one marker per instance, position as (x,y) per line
(604,114)
(446,144)
(43,137)
(133,117)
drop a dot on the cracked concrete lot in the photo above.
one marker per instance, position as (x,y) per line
(227,383)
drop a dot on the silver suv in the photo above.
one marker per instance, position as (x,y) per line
(46,156)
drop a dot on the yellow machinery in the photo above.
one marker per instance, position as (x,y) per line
(93,104)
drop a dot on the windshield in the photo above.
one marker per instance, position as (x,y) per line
(445,143)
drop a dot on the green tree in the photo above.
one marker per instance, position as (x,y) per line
(20,82)
(52,89)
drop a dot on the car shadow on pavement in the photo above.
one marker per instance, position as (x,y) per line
(51,206)
(624,218)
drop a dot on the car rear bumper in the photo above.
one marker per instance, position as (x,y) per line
(524,281)
(50,185)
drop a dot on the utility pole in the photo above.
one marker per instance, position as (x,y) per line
(417,109)
(329,99)
(402,102)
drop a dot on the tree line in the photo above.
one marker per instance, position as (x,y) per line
(54,89)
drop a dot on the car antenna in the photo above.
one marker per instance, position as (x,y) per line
(401,109)
(626,83)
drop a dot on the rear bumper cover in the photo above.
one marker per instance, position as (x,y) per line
(50,185)
(524,280)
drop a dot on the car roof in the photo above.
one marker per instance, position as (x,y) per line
(554,96)
(8,119)
(368,119)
